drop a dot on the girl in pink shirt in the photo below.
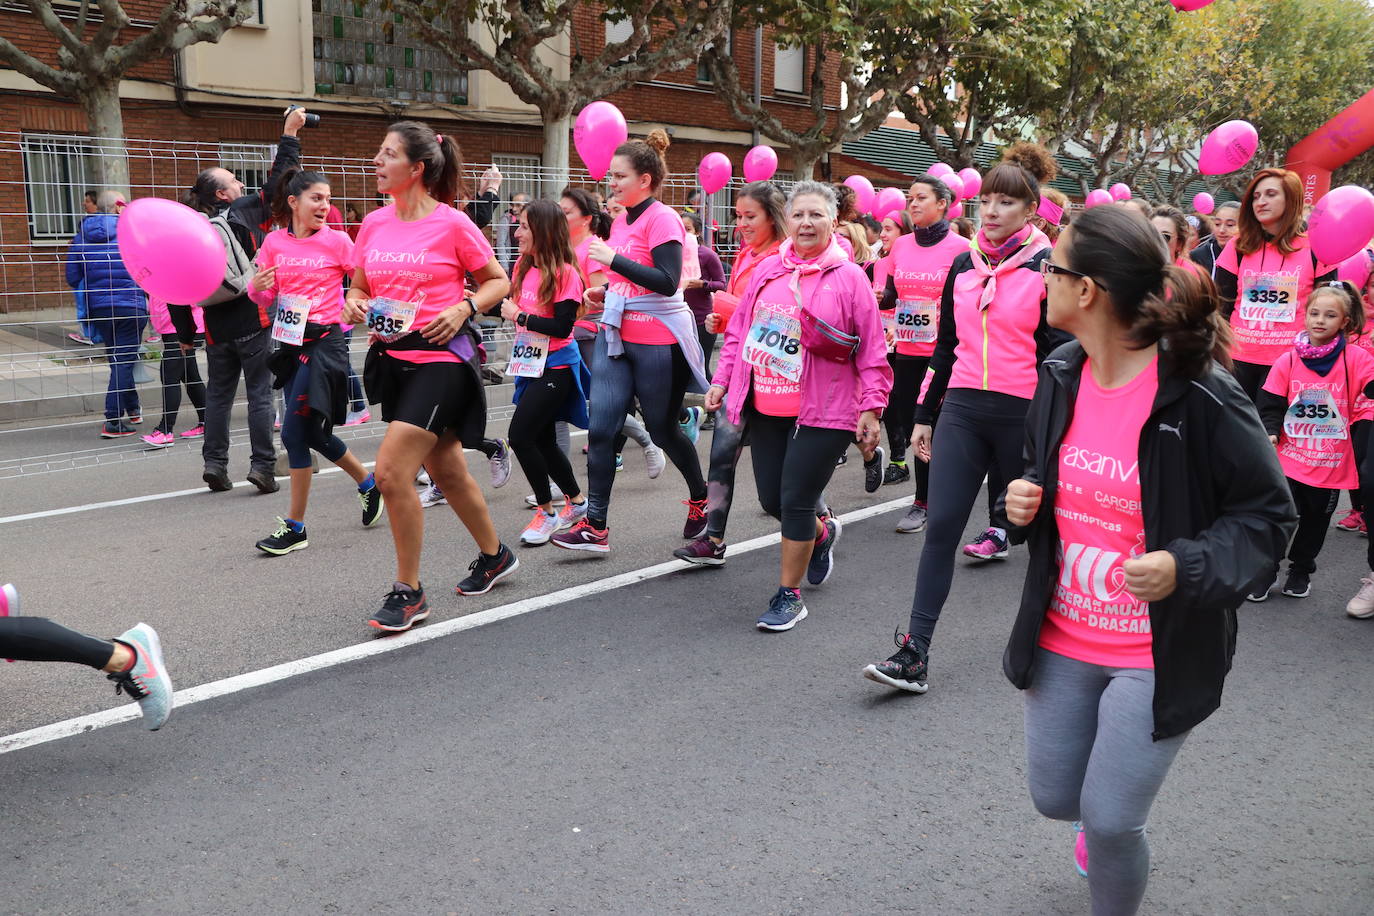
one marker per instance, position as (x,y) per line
(300,272)
(1309,403)
(422,365)
(178,367)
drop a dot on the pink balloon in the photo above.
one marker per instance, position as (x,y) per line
(1121,191)
(889,199)
(760,163)
(600,128)
(956,187)
(1188,6)
(170,250)
(973,182)
(940,170)
(1341,224)
(1096,197)
(864,194)
(1228,148)
(1204,203)
(714,172)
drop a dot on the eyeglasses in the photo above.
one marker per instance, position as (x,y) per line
(1047,268)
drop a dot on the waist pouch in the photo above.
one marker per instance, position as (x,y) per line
(822,339)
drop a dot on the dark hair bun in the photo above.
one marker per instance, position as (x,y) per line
(1034,158)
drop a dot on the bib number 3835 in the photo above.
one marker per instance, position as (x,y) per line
(774,342)
(528,354)
(390,319)
(1314,415)
(289,325)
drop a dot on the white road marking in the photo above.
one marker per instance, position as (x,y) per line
(424,633)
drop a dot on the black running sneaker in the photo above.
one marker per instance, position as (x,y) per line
(402,609)
(905,670)
(264,481)
(217,479)
(486,571)
(284,540)
(823,554)
(371,500)
(873,471)
(1297,585)
(702,552)
(897,472)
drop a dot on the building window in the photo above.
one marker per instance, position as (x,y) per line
(518,173)
(789,69)
(704,75)
(58,171)
(250,162)
(362,51)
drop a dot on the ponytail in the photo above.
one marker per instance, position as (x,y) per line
(440,156)
(1350,298)
(586,205)
(201,195)
(292,183)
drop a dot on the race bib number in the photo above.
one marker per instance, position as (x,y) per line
(390,319)
(774,342)
(528,354)
(916,320)
(289,325)
(1314,415)
(1271,297)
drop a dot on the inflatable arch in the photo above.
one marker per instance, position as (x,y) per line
(1331,146)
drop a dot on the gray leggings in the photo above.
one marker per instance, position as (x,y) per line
(1090,758)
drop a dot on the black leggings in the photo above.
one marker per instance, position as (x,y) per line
(981,432)
(1315,506)
(1251,377)
(303,429)
(1359,439)
(533,436)
(178,368)
(792,465)
(38,639)
(900,416)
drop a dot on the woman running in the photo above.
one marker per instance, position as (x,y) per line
(1151,502)
(805,361)
(301,268)
(422,365)
(911,295)
(761,221)
(1265,274)
(648,347)
(550,380)
(992,335)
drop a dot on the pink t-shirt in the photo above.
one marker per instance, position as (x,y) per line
(421,261)
(919,275)
(312,267)
(776,395)
(162,319)
(1271,290)
(1092,617)
(570,286)
(726,301)
(658,224)
(1315,446)
(1364,407)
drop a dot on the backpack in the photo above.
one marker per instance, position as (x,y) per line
(238,268)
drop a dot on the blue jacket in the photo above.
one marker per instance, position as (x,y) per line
(93,262)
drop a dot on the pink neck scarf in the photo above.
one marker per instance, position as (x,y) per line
(1011,254)
(797,265)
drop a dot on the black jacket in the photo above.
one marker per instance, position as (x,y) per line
(1213,495)
(1206,254)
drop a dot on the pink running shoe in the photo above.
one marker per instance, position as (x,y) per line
(9,603)
(158,439)
(1353,521)
(195,432)
(987,546)
(1080,849)
(358,418)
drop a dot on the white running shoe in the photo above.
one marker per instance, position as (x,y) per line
(570,514)
(432,496)
(147,681)
(540,528)
(500,464)
(1361,607)
(654,460)
(534,503)
(422,478)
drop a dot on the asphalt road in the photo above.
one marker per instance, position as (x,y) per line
(637,751)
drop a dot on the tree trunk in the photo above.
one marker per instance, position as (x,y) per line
(804,163)
(106,121)
(557,128)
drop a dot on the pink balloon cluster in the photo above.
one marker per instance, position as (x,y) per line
(170,250)
(599,129)
(1097,197)
(888,201)
(714,172)
(864,195)
(973,182)
(760,163)
(1342,223)
(1121,191)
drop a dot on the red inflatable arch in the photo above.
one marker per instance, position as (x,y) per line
(1331,146)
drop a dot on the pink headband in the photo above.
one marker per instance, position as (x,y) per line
(1050,210)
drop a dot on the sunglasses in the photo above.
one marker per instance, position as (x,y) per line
(1047,268)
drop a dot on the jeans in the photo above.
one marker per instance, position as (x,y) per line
(123,336)
(226,361)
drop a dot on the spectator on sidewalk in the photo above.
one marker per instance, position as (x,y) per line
(84,333)
(115,304)
(237,329)
(506,247)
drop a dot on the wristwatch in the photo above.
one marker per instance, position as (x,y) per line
(522,319)
(472,305)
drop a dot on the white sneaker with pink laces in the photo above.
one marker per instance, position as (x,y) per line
(1361,607)
(540,528)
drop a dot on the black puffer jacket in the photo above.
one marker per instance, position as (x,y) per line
(1213,495)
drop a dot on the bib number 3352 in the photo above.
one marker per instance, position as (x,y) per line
(774,342)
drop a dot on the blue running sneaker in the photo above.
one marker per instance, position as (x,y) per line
(822,562)
(147,681)
(691,427)
(783,612)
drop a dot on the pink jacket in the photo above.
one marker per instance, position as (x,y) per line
(162,321)
(833,394)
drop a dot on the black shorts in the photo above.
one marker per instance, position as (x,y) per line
(433,396)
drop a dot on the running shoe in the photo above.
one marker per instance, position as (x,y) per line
(486,571)
(1080,849)
(1263,594)
(357,417)
(1297,585)
(1361,607)
(1353,522)
(371,501)
(987,546)
(116,429)
(147,682)
(784,611)
(195,432)
(897,472)
(136,419)
(217,479)
(842,460)
(158,439)
(915,518)
(402,608)
(822,562)
(702,552)
(422,478)
(81,339)
(695,526)
(619,463)
(691,427)
(432,496)
(284,540)
(571,514)
(582,536)
(558,500)
(654,461)
(265,481)
(709,422)
(873,471)
(499,462)
(540,528)
(906,669)
(9,603)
